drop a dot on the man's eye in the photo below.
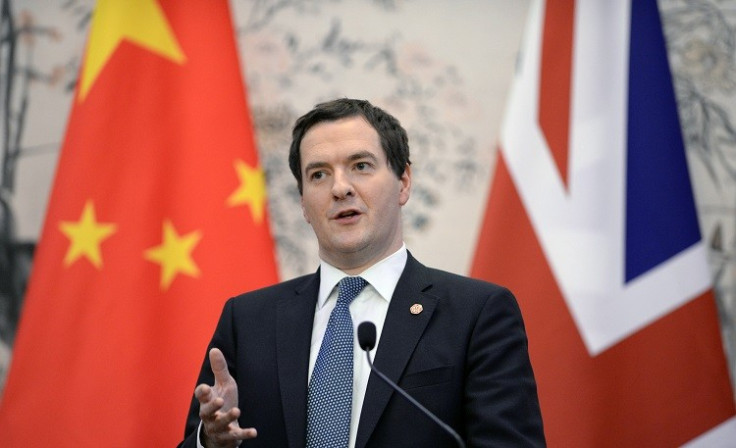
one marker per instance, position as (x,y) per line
(316,175)
(360,166)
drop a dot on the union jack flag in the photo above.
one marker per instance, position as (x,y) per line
(591,221)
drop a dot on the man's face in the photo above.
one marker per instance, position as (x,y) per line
(351,197)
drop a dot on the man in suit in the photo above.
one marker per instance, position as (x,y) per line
(457,345)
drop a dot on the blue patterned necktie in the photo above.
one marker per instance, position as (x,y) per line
(330,396)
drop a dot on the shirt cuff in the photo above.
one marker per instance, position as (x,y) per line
(199,433)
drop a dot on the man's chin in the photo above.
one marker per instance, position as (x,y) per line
(346,249)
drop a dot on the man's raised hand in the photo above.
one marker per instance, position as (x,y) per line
(218,407)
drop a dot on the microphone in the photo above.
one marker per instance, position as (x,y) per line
(367,340)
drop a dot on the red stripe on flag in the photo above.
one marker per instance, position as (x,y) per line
(555,79)
(662,386)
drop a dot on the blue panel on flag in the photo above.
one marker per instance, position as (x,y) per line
(661,220)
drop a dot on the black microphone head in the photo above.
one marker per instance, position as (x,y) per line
(367,335)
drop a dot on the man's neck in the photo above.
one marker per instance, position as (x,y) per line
(354,264)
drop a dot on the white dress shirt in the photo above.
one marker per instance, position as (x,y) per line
(370,305)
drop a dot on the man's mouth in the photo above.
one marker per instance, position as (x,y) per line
(347,214)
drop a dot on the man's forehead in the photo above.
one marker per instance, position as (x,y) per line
(346,137)
(356,126)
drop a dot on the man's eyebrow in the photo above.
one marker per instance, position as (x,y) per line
(314,166)
(363,155)
(353,157)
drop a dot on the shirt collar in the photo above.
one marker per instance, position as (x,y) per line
(383,276)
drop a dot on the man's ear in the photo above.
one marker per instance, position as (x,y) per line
(304,211)
(405,181)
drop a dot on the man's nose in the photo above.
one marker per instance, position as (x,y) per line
(342,186)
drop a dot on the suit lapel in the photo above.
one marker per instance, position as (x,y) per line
(295,318)
(399,337)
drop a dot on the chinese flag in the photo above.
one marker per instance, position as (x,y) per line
(591,220)
(158,214)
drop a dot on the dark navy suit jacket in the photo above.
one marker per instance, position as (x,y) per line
(464,357)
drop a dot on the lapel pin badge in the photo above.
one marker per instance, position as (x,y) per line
(416,309)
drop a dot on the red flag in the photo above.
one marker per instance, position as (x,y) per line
(157,215)
(591,221)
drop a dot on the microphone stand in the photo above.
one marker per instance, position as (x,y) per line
(411,399)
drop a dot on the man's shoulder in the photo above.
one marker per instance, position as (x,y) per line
(292,286)
(459,283)
(447,279)
(466,298)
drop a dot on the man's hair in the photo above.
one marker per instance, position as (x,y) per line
(394,140)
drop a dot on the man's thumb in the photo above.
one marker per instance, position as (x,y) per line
(219,365)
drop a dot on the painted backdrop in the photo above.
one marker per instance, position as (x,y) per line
(443,67)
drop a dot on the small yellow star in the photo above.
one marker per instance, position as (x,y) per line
(251,191)
(85,236)
(139,21)
(174,254)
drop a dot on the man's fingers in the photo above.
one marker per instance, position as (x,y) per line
(203,393)
(224,427)
(223,421)
(244,433)
(219,366)
(208,411)
(217,405)
(208,402)
(233,434)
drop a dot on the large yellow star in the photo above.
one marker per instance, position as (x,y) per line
(139,21)
(252,190)
(85,236)
(174,254)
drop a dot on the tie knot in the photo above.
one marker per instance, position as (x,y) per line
(350,287)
